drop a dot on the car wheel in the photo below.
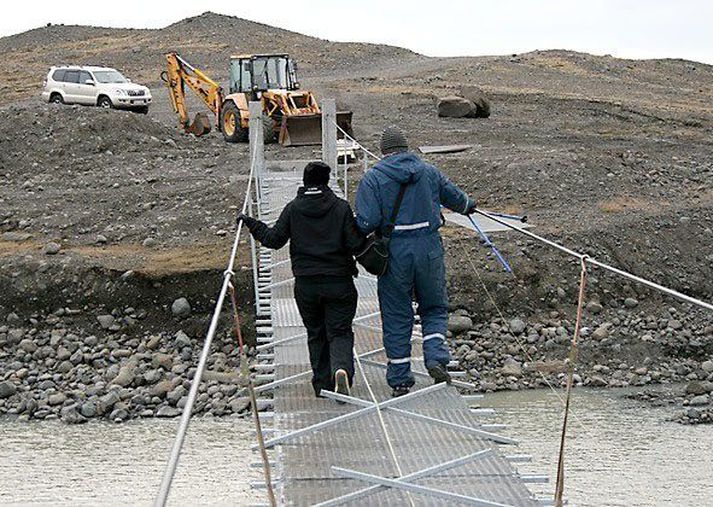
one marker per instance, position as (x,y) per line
(56,98)
(105,102)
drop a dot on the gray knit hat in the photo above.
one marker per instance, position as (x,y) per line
(393,141)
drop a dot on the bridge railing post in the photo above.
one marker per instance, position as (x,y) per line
(257,157)
(329,133)
(257,144)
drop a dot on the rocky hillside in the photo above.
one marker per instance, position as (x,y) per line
(206,40)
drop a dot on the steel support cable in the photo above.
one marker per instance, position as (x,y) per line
(170,469)
(626,274)
(245,372)
(379,414)
(573,353)
(361,146)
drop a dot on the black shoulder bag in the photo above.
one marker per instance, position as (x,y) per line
(375,255)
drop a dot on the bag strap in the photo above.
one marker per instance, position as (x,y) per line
(395,212)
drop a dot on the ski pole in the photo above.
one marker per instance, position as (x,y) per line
(487,242)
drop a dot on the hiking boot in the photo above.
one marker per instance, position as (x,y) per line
(439,374)
(341,383)
(400,391)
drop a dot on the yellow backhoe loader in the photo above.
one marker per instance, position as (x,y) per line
(271,79)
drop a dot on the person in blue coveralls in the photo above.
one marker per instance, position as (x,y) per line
(416,259)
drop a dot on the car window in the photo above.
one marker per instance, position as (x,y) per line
(58,75)
(83,76)
(71,76)
(109,76)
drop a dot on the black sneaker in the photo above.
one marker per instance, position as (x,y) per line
(400,391)
(439,374)
(341,383)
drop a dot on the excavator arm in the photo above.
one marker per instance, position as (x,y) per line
(177,76)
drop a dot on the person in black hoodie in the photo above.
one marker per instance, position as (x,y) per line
(323,239)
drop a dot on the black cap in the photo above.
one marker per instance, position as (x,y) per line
(393,141)
(316,174)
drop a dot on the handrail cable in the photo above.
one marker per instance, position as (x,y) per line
(170,469)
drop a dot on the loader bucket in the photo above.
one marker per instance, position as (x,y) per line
(200,125)
(301,130)
(306,130)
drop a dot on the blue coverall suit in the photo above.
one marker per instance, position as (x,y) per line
(416,263)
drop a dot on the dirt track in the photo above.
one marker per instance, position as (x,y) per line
(612,157)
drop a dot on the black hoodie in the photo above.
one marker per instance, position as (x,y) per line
(321,230)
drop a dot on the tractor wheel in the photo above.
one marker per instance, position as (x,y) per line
(268,130)
(230,126)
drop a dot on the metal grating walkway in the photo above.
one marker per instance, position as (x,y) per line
(432,427)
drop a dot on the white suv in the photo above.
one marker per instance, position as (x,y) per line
(95,86)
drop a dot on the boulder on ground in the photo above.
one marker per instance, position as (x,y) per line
(477,97)
(456,107)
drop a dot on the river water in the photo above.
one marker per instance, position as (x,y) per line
(620,452)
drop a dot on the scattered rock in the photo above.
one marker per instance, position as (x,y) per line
(240,404)
(105,321)
(512,368)
(175,395)
(594,307)
(601,332)
(154,342)
(56,399)
(7,389)
(168,411)
(126,373)
(182,340)
(699,400)
(631,303)
(71,415)
(89,409)
(707,366)
(52,248)
(164,361)
(28,345)
(517,326)
(181,307)
(695,388)
(459,323)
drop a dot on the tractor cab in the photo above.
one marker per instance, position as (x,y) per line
(260,73)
